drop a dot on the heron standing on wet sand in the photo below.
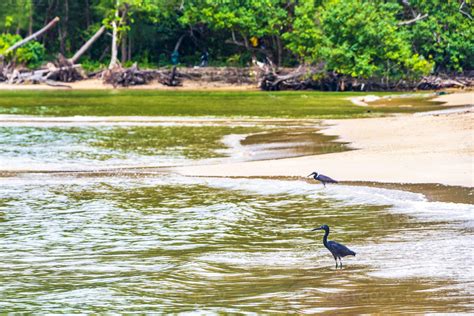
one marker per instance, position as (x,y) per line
(322,178)
(337,250)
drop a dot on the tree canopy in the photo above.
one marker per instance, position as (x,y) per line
(355,38)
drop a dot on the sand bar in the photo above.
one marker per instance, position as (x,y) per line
(436,148)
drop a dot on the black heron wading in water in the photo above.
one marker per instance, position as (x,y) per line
(338,250)
(322,178)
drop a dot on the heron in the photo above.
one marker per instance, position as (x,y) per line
(337,250)
(322,178)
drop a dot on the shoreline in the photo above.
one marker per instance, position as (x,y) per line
(405,149)
(436,148)
(197,85)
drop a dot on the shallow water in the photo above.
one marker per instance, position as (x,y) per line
(176,244)
(75,146)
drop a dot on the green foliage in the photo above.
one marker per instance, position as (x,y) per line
(305,37)
(31,54)
(446,36)
(92,65)
(14,14)
(252,18)
(362,39)
(357,38)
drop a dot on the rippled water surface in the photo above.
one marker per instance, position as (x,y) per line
(174,244)
(78,147)
(94,239)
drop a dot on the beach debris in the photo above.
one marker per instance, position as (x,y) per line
(171,79)
(443,82)
(125,77)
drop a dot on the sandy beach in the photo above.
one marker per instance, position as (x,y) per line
(419,148)
(97,84)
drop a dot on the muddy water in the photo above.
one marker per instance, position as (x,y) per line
(157,242)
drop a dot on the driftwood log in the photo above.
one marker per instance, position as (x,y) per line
(64,70)
(171,79)
(443,82)
(41,75)
(125,77)
(299,79)
(133,76)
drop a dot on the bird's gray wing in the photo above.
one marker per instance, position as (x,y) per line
(327,179)
(339,249)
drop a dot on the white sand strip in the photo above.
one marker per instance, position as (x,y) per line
(401,149)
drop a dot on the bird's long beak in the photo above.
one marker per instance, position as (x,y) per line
(317,228)
(310,174)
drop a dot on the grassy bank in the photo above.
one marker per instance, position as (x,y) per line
(301,104)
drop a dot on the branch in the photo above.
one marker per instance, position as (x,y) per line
(416,19)
(245,44)
(463,12)
(178,43)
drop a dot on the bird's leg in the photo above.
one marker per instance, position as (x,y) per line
(340,261)
(336,261)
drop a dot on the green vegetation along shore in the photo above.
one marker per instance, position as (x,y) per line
(216,104)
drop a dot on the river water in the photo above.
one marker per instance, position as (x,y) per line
(80,240)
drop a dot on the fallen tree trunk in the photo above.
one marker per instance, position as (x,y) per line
(86,46)
(32,37)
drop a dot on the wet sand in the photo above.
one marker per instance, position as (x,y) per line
(428,148)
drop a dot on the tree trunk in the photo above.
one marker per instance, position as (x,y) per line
(129,48)
(87,13)
(33,36)
(178,43)
(113,58)
(51,3)
(87,45)
(280,51)
(30,24)
(63,29)
(123,45)
(115,36)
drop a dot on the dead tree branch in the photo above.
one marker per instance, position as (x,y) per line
(416,19)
